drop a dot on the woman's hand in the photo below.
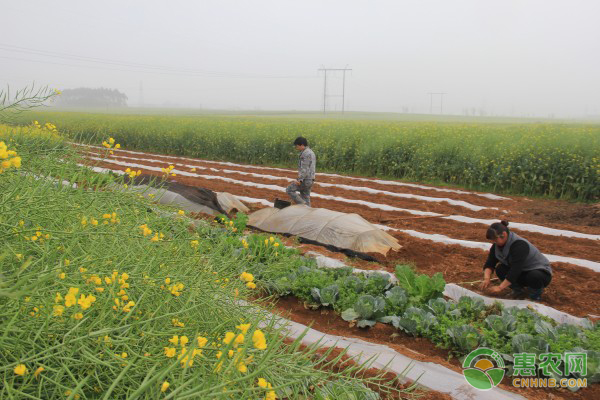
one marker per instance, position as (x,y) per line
(485,284)
(495,290)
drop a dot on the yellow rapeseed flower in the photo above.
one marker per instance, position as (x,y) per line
(165,385)
(183,340)
(242,367)
(262,382)
(38,371)
(70,299)
(170,352)
(239,339)
(229,336)
(176,322)
(78,316)
(20,369)
(243,327)
(174,340)
(259,340)
(127,307)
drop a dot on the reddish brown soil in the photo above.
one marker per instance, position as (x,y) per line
(570,247)
(389,379)
(551,213)
(574,289)
(327,321)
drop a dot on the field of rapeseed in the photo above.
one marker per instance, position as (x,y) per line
(106,295)
(557,160)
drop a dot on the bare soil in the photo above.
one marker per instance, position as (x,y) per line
(458,264)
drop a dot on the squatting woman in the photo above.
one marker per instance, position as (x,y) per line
(518,264)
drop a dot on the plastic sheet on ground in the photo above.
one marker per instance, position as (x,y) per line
(230,202)
(429,375)
(383,182)
(344,231)
(455,292)
(459,218)
(226,200)
(166,197)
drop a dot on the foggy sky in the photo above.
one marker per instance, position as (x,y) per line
(508,57)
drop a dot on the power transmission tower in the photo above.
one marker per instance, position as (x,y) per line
(431,101)
(325,70)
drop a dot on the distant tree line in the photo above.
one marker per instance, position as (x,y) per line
(87,97)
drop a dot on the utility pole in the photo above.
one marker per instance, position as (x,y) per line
(325,70)
(431,102)
(325,92)
(343,90)
(141,94)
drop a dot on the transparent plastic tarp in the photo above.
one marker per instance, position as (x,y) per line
(344,231)
(227,201)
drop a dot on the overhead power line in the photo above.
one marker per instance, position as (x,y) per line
(137,67)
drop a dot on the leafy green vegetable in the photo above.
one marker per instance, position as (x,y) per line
(350,288)
(326,296)
(377,283)
(308,279)
(396,300)
(420,288)
(415,321)
(441,307)
(366,311)
(525,343)
(471,307)
(464,337)
(504,325)
(593,365)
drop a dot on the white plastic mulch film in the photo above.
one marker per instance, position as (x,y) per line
(226,200)
(345,231)
(229,202)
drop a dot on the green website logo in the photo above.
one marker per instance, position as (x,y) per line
(483,368)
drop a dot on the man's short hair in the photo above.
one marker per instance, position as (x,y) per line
(300,141)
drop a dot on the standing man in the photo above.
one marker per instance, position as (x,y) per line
(307,162)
